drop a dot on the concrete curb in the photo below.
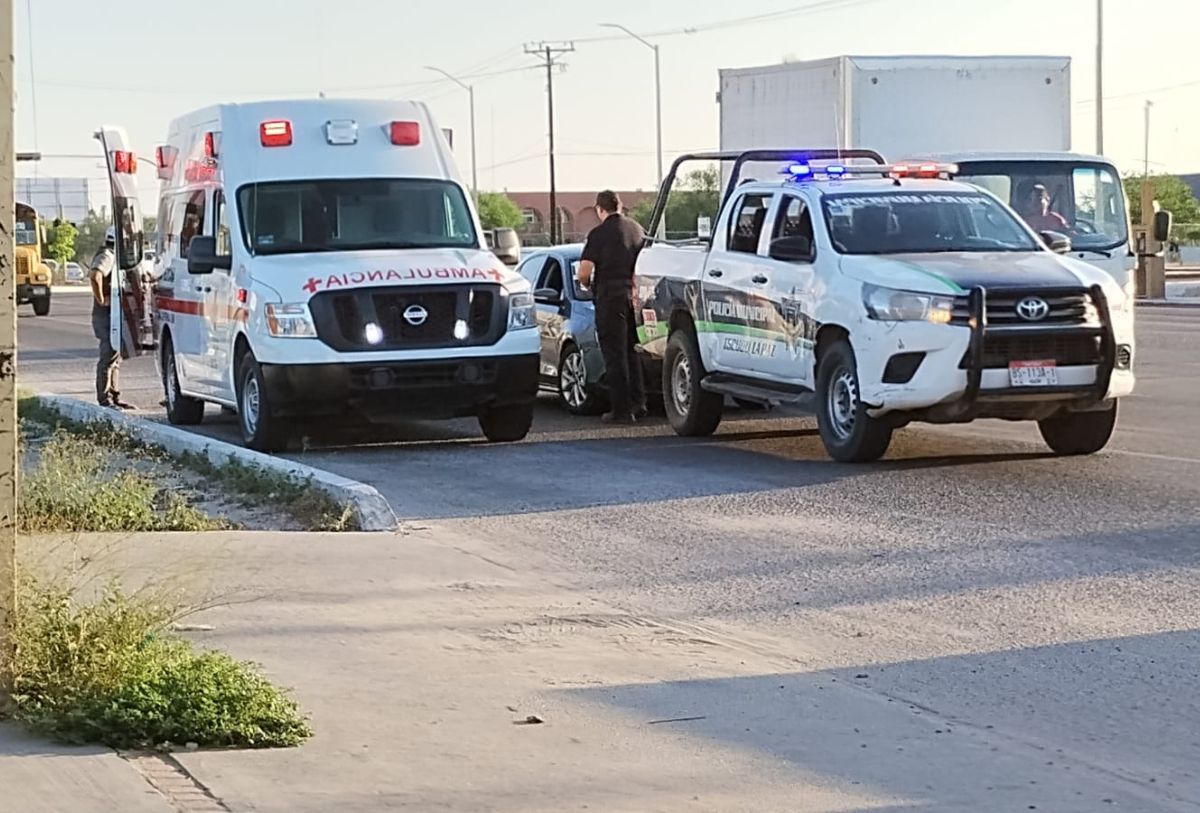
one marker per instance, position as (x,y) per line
(372,510)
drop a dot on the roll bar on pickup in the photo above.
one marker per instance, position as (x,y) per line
(740,158)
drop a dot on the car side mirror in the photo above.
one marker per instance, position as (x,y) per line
(1057,242)
(792,249)
(548,296)
(1162,226)
(203,257)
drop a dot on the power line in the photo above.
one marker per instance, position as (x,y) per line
(1140,93)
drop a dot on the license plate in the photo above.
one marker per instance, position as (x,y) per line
(1033,373)
(39,291)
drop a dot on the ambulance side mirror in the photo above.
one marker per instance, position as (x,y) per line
(1057,242)
(203,257)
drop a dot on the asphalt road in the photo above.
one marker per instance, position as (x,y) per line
(1048,608)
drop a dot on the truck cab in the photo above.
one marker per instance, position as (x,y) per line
(881,294)
(1080,195)
(322,259)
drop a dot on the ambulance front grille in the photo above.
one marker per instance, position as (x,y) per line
(408,318)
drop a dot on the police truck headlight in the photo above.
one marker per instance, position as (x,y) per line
(290,320)
(522,313)
(891,305)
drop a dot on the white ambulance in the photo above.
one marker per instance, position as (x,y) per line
(323,258)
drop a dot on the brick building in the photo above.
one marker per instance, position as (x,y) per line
(576,210)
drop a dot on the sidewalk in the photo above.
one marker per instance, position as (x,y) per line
(441,678)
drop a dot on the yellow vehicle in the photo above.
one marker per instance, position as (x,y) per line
(33,275)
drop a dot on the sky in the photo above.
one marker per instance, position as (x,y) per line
(140,63)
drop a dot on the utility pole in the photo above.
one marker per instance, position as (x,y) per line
(657,92)
(1146,173)
(470,89)
(8,356)
(1100,77)
(548,52)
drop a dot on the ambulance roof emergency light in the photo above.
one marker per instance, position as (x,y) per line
(164,158)
(405,133)
(124,163)
(275,133)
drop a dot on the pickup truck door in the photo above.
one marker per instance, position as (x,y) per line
(792,293)
(130,328)
(734,329)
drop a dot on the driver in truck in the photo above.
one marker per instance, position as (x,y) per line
(1038,213)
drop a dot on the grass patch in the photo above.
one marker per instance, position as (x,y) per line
(253,486)
(307,504)
(71,488)
(111,672)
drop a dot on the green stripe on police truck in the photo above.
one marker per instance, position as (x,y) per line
(739,330)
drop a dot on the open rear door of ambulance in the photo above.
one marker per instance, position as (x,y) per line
(130,295)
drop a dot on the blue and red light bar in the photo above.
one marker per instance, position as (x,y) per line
(800,171)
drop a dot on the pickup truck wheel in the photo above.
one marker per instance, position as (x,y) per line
(849,434)
(1079,433)
(692,410)
(181,410)
(261,429)
(577,394)
(41,306)
(506,424)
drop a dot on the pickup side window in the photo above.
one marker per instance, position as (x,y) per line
(746,226)
(794,220)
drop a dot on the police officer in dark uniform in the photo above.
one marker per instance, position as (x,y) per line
(607,268)
(103,265)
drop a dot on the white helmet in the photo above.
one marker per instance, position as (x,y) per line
(110,236)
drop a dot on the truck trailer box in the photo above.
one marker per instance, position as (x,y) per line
(900,105)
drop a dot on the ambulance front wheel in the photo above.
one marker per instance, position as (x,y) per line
(261,429)
(506,424)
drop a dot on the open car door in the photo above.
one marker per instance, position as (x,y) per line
(130,295)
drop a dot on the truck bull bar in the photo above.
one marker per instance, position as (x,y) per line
(977,310)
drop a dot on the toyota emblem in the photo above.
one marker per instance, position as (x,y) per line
(1031,309)
(415,315)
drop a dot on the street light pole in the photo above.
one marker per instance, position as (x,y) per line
(1100,77)
(470,89)
(657,92)
(1149,104)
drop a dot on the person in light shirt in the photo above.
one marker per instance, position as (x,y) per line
(1039,214)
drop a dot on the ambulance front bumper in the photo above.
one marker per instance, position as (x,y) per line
(428,388)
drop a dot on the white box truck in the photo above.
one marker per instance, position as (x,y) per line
(1005,120)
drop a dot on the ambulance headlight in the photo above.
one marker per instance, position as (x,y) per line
(522,313)
(891,305)
(290,320)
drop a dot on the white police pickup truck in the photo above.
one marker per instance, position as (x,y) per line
(893,293)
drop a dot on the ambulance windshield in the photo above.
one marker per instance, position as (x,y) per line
(288,217)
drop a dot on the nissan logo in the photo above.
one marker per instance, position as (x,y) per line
(1031,309)
(415,315)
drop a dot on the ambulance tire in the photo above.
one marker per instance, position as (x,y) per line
(41,306)
(181,410)
(506,424)
(1079,433)
(849,434)
(262,430)
(692,410)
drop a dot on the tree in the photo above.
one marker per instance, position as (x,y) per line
(60,245)
(498,211)
(697,194)
(90,238)
(1172,194)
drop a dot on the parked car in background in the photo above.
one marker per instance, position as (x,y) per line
(571,364)
(73,274)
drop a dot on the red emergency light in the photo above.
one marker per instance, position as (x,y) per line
(210,145)
(164,158)
(124,163)
(276,133)
(405,133)
(924,170)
